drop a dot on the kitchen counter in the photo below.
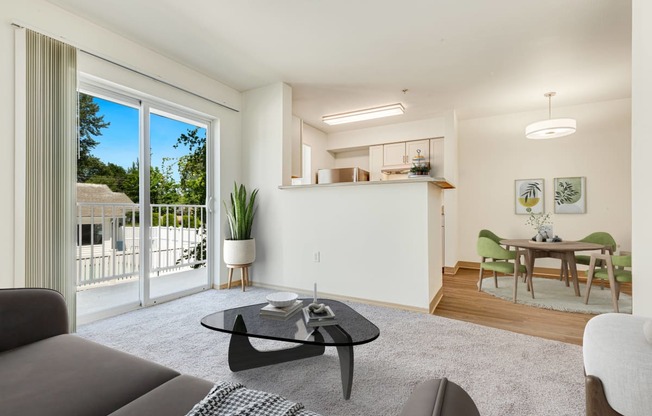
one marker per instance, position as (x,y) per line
(440,182)
(380,241)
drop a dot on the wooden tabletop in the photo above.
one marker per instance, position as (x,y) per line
(545,246)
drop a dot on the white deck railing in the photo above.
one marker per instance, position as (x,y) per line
(108,240)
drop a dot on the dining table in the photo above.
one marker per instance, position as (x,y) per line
(563,250)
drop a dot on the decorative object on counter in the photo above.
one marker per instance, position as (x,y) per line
(240,249)
(420,167)
(542,224)
(528,196)
(570,195)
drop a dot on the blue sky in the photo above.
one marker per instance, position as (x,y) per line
(119,142)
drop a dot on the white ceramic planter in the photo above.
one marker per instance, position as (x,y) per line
(239,251)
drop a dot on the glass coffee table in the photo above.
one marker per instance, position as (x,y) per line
(246,322)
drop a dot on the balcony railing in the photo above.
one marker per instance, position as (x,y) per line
(108,240)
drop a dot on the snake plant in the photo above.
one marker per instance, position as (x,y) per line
(242,212)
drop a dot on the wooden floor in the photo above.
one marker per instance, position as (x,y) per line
(462,301)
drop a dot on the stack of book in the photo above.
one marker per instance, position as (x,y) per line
(281,313)
(319,319)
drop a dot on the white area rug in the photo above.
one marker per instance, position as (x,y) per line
(553,294)
(505,373)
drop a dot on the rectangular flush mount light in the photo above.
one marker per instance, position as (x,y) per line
(366,114)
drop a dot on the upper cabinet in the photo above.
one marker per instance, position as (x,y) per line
(401,154)
(394,154)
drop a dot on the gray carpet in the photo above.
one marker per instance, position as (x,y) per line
(504,372)
(553,294)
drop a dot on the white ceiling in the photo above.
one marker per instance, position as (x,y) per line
(478,57)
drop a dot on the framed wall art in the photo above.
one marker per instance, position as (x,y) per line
(528,196)
(570,195)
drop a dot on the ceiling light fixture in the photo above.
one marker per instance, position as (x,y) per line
(366,114)
(551,128)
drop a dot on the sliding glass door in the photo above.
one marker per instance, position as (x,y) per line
(177,197)
(142,222)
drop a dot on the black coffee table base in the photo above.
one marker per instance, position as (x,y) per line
(243,355)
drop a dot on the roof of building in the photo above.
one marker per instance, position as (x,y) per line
(109,203)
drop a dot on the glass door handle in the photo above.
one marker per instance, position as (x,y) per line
(209,204)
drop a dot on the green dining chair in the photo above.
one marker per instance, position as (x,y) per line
(496,259)
(491,235)
(599,237)
(617,270)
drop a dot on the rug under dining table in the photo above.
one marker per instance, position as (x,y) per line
(554,294)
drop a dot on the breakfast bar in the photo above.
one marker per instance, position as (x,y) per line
(327,240)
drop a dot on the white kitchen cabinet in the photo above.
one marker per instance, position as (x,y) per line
(375,162)
(397,154)
(394,154)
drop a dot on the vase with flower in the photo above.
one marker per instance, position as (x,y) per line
(542,224)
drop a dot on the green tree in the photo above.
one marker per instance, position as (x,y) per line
(90,127)
(131,182)
(192,168)
(109,174)
(163,189)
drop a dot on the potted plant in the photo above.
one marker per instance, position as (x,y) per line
(419,170)
(240,248)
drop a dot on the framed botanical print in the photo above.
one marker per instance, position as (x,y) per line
(528,196)
(570,195)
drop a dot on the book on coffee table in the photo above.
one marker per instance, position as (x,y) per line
(313,319)
(273,311)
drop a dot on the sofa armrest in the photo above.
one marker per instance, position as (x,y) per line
(29,315)
(439,397)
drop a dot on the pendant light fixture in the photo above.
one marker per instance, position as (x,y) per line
(551,128)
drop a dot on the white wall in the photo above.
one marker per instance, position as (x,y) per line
(641,153)
(493,152)
(373,239)
(398,132)
(264,164)
(321,158)
(354,158)
(53,21)
(450,200)
(444,126)
(361,231)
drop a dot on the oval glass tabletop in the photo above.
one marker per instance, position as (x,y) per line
(353,328)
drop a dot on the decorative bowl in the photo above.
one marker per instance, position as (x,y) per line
(281,299)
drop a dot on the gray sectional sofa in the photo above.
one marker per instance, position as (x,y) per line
(46,371)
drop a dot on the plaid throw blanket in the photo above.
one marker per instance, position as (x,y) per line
(231,399)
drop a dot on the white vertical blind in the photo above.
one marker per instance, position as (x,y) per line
(50,165)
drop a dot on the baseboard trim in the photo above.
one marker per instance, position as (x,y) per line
(539,271)
(344,298)
(436,299)
(452,271)
(234,284)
